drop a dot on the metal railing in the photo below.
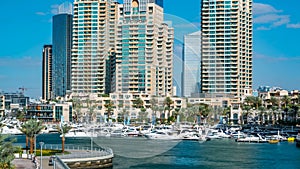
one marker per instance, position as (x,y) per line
(77,152)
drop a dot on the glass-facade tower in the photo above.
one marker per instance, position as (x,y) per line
(62,43)
(226,27)
(191,64)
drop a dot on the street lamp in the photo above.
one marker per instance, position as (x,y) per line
(41,145)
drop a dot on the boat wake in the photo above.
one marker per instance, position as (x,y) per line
(136,147)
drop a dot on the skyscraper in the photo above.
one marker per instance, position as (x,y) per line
(226,27)
(47,72)
(62,43)
(144,49)
(191,64)
(93,45)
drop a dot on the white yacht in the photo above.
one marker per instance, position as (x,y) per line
(162,135)
(10,129)
(79,133)
(252,139)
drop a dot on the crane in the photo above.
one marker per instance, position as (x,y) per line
(22,89)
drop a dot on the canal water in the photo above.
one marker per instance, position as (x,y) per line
(139,153)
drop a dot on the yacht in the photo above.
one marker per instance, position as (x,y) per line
(298,140)
(10,129)
(161,135)
(79,133)
(252,139)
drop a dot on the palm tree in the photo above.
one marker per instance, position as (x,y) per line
(154,106)
(30,128)
(123,114)
(182,114)
(63,129)
(253,101)
(204,110)
(273,110)
(274,101)
(143,114)
(246,110)
(77,105)
(6,152)
(285,101)
(138,103)
(168,102)
(262,110)
(109,105)
(1,125)
(91,110)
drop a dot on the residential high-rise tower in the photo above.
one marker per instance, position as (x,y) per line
(94,25)
(47,72)
(226,27)
(144,49)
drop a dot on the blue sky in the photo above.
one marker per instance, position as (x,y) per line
(26,27)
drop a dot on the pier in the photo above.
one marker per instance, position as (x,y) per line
(78,159)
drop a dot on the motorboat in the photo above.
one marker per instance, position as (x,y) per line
(291,139)
(161,135)
(298,140)
(252,139)
(79,133)
(274,140)
(11,129)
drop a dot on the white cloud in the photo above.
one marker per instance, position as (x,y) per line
(274,58)
(267,17)
(296,26)
(25,61)
(41,13)
(54,9)
(263,28)
(259,8)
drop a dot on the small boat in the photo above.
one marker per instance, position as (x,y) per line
(291,139)
(252,139)
(298,140)
(273,141)
(161,135)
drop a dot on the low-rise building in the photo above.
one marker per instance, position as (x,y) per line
(123,103)
(2,105)
(50,112)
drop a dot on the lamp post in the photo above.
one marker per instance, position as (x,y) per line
(41,145)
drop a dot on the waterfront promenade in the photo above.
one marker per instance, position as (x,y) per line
(98,158)
(24,163)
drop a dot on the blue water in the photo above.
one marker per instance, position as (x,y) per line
(208,155)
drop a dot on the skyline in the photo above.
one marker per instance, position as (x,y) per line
(275,52)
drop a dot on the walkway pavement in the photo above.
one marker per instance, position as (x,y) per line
(23,163)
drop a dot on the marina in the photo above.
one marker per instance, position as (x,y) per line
(217,153)
(115,145)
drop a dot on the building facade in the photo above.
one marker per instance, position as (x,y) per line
(47,72)
(226,27)
(191,64)
(50,112)
(14,100)
(61,54)
(93,45)
(2,105)
(144,49)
